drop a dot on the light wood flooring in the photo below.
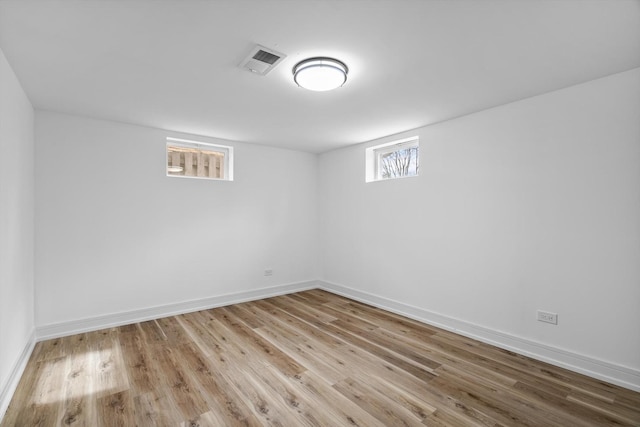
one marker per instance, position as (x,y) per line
(306,359)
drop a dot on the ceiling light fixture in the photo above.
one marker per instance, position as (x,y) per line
(320,74)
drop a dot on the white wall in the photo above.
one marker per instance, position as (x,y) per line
(114,234)
(531,205)
(16,229)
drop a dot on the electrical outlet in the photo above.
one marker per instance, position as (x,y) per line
(545,316)
(268,272)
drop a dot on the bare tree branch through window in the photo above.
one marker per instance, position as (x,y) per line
(403,162)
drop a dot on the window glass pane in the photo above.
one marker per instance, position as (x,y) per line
(399,163)
(391,160)
(199,160)
(184,161)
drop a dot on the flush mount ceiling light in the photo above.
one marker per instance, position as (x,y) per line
(320,74)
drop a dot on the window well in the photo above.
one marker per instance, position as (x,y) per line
(193,159)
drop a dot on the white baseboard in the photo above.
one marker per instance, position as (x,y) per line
(7,389)
(118,319)
(614,374)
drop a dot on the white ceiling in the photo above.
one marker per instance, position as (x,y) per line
(174,64)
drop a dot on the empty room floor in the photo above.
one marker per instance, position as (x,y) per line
(306,359)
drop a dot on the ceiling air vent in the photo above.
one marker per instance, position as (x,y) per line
(261,60)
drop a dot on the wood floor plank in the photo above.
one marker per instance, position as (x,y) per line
(214,388)
(78,408)
(152,331)
(297,402)
(172,330)
(498,403)
(417,405)
(291,304)
(139,361)
(442,358)
(315,359)
(257,343)
(108,361)
(344,410)
(38,392)
(377,404)
(199,328)
(116,410)
(305,359)
(383,355)
(256,395)
(50,349)
(523,367)
(336,347)
(401,348)
(301,326)
(179,383)
(247,312)
(318,297)
(622,414)
(627,400)
(447,419)
(405,327)
(585,413)
(153,408)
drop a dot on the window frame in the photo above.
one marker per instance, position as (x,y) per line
(373,156)
(226,150)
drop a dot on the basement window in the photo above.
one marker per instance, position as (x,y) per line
(397,159)
(193,159)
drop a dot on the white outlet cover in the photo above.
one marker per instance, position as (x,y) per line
(547,317)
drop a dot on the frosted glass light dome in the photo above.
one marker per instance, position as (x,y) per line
(320,74)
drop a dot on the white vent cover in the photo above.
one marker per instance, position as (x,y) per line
(261,60)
